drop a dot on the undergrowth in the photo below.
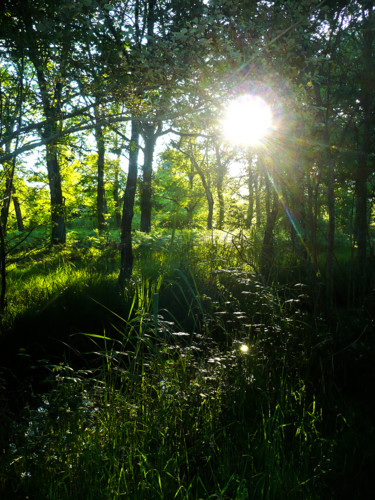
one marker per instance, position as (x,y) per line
(199,380)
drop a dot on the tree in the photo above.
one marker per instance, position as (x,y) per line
(126,251)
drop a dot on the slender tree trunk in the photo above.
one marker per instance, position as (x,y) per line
(266,256)
(58,233)
(7,195)
(250,203)
(207,190)
(100,198)
(220,199)
(17,209)
(312,216)
(329,158)
(268,194)
(126,250)
(331,230)
(2,270)
(220,173)
(116,186)
(297,210)
(367,99)
(257,200)
(149,138)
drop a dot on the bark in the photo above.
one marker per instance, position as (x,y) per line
(331,230)
(126,250)
(220,198)
(116,187)
(250,203)
(257,200)
(100,198)
(220,173)
(58,232)
(52,111)
(312,216)
(329,158)
(266,256)
(297,209)
(10,195)
(7,195)
(149,137)
(2,270)
(366,98)
(207,190)
(17,209)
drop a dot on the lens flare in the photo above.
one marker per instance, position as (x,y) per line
(246,120)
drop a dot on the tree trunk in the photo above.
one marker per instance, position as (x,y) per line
(7,195)
(58,233)
(17,209)
(220,173)
(257,200)
(220,198)
(52,109)
(329,158)
(149,138)
(266,256)
(367,91)
(2,270)
(250,203)
(126,264)
(207,190)
(312,216)
(116,187)
(331,230)
(100,199)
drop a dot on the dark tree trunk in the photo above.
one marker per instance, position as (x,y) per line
(330,182)
(149,138)
(210,202)
(331,230)
(207,190)
(250,203)
(367,103)
(17,209)
(58,234)
(7,195)
(257,200)
(2,270)
(220,173)
(296,206)
(220,198)
(100,199)
(312,216)
(266,256)
(52,109)
(116,187)
(126,264)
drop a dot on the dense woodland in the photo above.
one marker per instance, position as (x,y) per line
(183,315)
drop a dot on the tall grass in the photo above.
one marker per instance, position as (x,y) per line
(200,381)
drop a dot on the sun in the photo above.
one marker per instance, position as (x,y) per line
(246,120)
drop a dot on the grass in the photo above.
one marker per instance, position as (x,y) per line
(159,398)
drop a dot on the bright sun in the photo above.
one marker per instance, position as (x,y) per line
(246,120)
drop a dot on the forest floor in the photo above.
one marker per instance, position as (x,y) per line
(198,380)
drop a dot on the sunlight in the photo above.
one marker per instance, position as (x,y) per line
(246,120)
(244,348)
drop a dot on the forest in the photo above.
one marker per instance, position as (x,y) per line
(187,268)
